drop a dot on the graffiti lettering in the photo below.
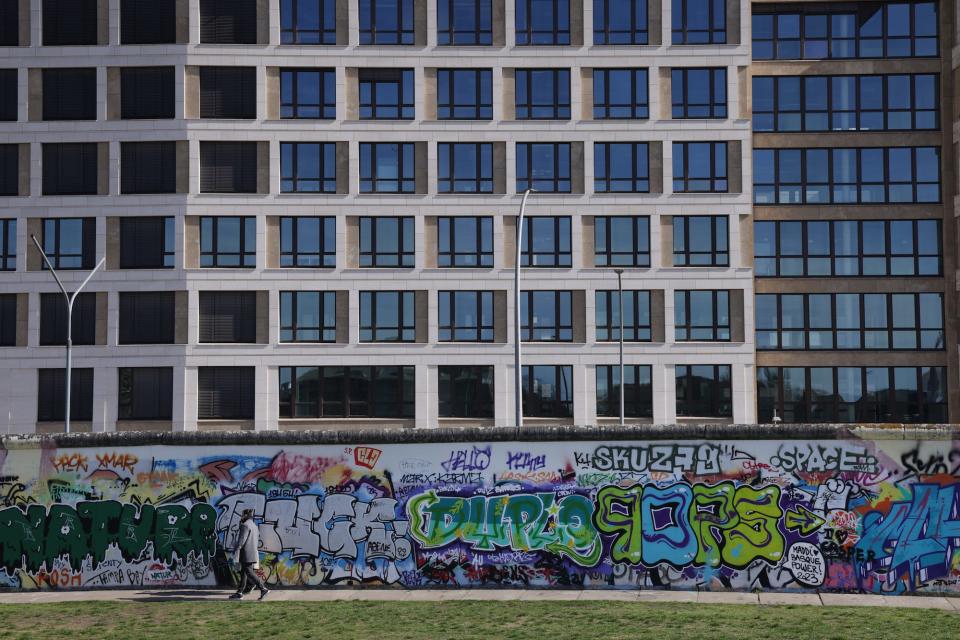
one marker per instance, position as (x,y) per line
(811,458)
(702,459)
(524,461)
(473,459)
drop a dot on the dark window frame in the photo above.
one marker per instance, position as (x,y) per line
(368,81)
(238,398)
(603,242)
(147,93)
(60,99)
(604,182)
(246,259)
(636,30)
(53,320)
(405,182)
(52,407)
(292,108)
(292,33)
(69,22)
(448,329)
(560,405)
(405,328)
(719,404)
(9,95)
(60,160)
(527,34)
(228,92)
(290,254)
(716,108)
(603,108)
(717,256)
(148,22)
(129,233)
(9,169)
(447,106)
(559,182)
(448,35)
(638,400)
(402,34)
(525,106)
(682,32)
(447,179)
(326,164)
(152,317)
(718,179)
(159,382)
(532,330)
(686,326)
(8,244)
(52,241)
(8,319)
(238,160)
(476,391)
(369,234)
(607,313)
(358,395)
(148,167)
(324,330)
(228,21)
(560,256)
(227,317)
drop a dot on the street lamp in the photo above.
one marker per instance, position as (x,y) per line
(623,385)
(518,380)
(70,299)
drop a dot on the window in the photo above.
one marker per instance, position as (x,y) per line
(856,30)
(542,22)
(865,175)
(699,93)
(347,392)
(636,318)
(547,391)
(308,242)
(10,169)
(464,22)
(225,393)
(700,167)
(51,388)
(387,241)
(853,321)
(702,316)
(464,94)
(465,241)
(69,168)
(147,317)
(621,241)
(69,94)
(228,316)
(8,244)
(146,93)
(846,103)
(386,22)
(70,243)
(308,316)
(546,316)
(638,401)
(465,391)
(228,21)
(620,94)
(69,22)
(147,243)
(852,394)
(8,319)
(699,21)
(228,92)
(844,248)
(145,393)
(621,167)
(308,167)
(545,242)
(704,390)
(228,241)
(543,166)
(9,95)
(53,319)
(700,241)
(543,94)
(620,22)
(387,167)
(148,21)
(9,24)
(228,167)
(308,22)
(148,167)
(387,316)
(308,93)
(465,316)
(465,167)
(386,94)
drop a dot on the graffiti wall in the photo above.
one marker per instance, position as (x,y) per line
(877,516)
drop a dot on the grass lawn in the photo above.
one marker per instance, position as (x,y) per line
(366,620)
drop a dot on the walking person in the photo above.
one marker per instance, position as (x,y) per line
(247,555)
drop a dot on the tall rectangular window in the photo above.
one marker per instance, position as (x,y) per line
(702,316)
(228,241)
(465,241)
(386,94)
(145,393)
(464,94)
(148,21)
(228,316)
(620,22)
(308,316)
(704,390)
(546,316)
(465,316)
(147,242)
(700,167)
(387,241)
(621,241)
(51,387)
(226,393)
(146,93)
(228,21)
(620,94)
(547,391)
(69,94)
(347,392)
(638,389)
(700,241)
(148,167)
(147,317)
(546,242)
(308,22)
(53,319)
(699,21)
(8,244)
(637,326)
(621,167)
(465,167)
(699,93)
(544,166)
(9,95)
(543,22)
(8,319)
(70,243)
(386,22)
(308,241)
(69,22)
(465,391)
(464,22)
(387,316)
(308,93)
(69,168)
(9,24)
(9,169)
(542,94)
(228,167)
(228,92)
(387,167)
(308,167)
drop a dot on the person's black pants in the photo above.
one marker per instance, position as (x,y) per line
(249,575)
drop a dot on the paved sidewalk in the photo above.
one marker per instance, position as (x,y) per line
(329,595)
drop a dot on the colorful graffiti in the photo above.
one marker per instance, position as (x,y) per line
(877,516)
